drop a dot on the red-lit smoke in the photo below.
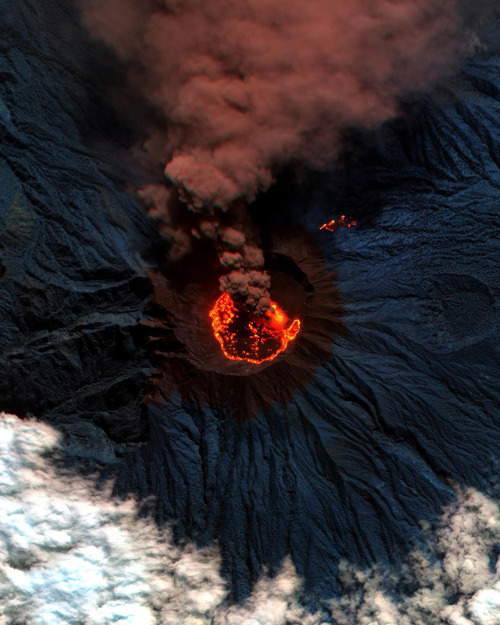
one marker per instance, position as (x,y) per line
(248,86)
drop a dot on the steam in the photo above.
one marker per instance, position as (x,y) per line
(247,87)
(70,554)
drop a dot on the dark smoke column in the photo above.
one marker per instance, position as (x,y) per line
(246,87)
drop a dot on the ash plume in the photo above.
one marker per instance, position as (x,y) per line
(247,87)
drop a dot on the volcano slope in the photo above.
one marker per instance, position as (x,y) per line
(407,402)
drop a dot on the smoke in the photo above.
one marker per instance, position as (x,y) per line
(247,87)
(70,555)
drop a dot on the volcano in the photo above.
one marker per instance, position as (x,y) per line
(344,448)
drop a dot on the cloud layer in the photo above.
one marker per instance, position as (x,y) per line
(453,580)
(70,555)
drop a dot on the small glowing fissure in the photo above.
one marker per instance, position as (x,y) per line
(331,226)
(243,336)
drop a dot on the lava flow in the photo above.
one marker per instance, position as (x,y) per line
(331,226)
(243,336)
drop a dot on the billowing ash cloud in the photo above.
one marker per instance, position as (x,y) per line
(246,87)
(70,555)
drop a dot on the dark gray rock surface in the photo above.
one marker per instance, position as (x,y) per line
(409,399)
(72,285)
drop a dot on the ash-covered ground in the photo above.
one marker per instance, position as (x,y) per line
(404,410)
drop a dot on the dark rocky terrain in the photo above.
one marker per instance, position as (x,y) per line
(72,277)
(408,401)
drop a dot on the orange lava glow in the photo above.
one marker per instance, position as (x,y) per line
(331,226)
(243,336)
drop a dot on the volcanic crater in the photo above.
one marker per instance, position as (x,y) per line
(188,356)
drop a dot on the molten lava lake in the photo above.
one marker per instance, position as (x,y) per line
(243,336)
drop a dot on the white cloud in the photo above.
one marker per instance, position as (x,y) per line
(452,581)
(71,556)
(485,606)
(274,601)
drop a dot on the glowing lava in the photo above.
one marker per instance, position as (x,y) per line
(331,226)
(243,336)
